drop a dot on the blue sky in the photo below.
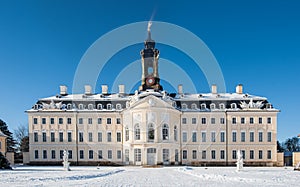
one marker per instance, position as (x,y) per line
(256,43)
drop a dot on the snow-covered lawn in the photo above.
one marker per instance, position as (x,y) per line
(138,176)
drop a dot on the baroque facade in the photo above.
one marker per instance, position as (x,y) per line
(152,126)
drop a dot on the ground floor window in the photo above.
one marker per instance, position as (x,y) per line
(126,155)
(44,154)
(251,154)
(203,154)
(61,154)
(99,154)
(53,154)
(260,154)
(222,154)
(166,155)
(91,154)
(194,154)
(233,154)
(70,154)
(213,154)
(109,154)
(137,155)
(269,156)
(36,154)
(176,155)
(119,154)
(184,154)
(81,154)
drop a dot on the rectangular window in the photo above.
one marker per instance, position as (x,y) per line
(251,136)
(260,136)
(80,136)
(183,120)
(99,136)
(44,137)
(243,154)
(213,136)
(44,154)
(203,120)
(251,120)
(137,155)
(176,155)
(118,121)
(52,136)
(222,121)
(69,136)
(43,121)
(80,121)
(100,154)
(251,154)
(184,137)
(165,155)
(108,121)
(203,154)
(119,137)
(36,154)
(243,136)
(53,154)
(119,154)
(269,136)
(222,154)
(35,121)
(222,137)
(61,136)
(109,137)
(203,136)
(213,120)
(234,120)
(213,154)
(260,121)
(242,120)
(90,136)
(91,154)
(61,154)
(90,121)
(81,154)
(99,120)
(269,120)
(126,134)
(70,154)
(35,137)
(260,154)
(194,154)
(60,121)
(69,121)
(233,136)
(194,120)
(126,155)
(184,154)
(51,121)
(194,137)
(269,154)
(234,154)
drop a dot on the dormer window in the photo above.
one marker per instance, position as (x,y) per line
(222,106)
(184,106)
(80,107)
(213,106)
(269,106)
(69,106)
(90,106)
(109,107)
(194,106)
(99,107)
(119,106)
(36,106)
(233,105)
(203,106)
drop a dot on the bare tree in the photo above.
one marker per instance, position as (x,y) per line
(21,135)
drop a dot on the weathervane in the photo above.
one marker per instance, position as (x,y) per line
(149,30)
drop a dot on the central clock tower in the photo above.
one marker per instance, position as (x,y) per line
(150,56)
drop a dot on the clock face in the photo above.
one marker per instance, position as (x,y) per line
(150,81)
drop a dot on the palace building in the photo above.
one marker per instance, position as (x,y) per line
(152,126)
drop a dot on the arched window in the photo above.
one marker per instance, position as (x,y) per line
(137,132)
(212,106)
(151,133)
(99,106)
(233,105)
(69,106)
(175,133)
(80,106)
(109,106)
(126,134)
(222,106)
(194,106)
(183,106)
(90,107)
(165,132)
(119,106)
(203,106)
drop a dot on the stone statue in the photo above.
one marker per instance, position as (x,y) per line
(239,162)
(66,162)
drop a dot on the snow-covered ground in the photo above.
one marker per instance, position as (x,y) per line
(138,176)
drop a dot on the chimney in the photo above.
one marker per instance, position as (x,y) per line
(214,89)
(239,89)
(121,89)
(63,90)
(104,89)
(180,89)
(87,90)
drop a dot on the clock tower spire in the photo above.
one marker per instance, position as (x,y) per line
(149,57)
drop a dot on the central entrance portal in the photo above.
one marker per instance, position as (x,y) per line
(151,156)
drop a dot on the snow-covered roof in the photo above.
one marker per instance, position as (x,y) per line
(2,134)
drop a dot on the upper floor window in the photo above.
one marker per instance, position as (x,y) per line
(213,120)
(222,106)
(184,121)
(194,120)
(251,120)
(80,121)
(203,120)
(69,120)
(80,107)
(203,106)
(126,134)
(268,106)
(99,107)
(184,106)
(269,120)
(109,106)
(35,121)
(90,106)
(233,105)
(260,121)
(43,121)
(175,133)
(51,121)
(222,120)
(184,137)
(108,121)
(90,121)
(109,137)
(194,106)
(234,120)
(69,106)
(243,120)
(118,120)
(212,106)
(165,132)
(36,137)
(60,121)
(99,120)
(119,106)
(137,132)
